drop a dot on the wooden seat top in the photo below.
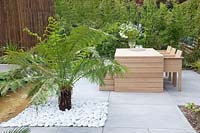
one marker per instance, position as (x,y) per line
(146,52)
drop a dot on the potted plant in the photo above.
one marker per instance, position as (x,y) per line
(58,61)
(132,33)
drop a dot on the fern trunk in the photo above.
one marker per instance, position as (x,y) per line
(65,98)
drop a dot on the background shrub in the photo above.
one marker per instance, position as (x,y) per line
(163,24)
(95,13)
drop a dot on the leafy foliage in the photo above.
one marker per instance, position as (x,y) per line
(193,107)
(163,26)
(198,65)
(191,14)
(195,66)
(106,15)
(95,13)
(11,81)
(191,58)
(19,130)
(108,47)
(61,59)
(11,46)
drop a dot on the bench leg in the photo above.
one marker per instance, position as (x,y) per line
(179,80)
(174,81)
(166,74)
(170,76)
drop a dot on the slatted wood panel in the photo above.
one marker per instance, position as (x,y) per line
(15,15)
(145,71)
(173,64)
(9,22)
(109,84)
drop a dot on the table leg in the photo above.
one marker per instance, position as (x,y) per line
(179,80)
(166,74)
(170,76)
(174,82)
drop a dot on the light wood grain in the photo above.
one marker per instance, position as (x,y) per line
(138,80)
(109,84)
(173,51)
(148,52)
(143,64)
(145,71)
(146,90)
(172,64)
(138,85)
(106,88)
(142,75)
(138,60)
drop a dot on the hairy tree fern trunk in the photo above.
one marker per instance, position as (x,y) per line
(65,98)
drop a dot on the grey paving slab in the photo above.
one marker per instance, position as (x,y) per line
(170,131)
(136,112)
(140,98)
(87,90)
(35,129)
(5,67)
(190,84)
(181,100)
(124,130)
(190,89)
(78,130)
(43,130)
(147,116)
(60,130)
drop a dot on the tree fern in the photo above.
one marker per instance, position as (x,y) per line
(58,61)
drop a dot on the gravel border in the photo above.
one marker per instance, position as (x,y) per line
(84,113)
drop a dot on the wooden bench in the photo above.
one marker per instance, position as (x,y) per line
(167,51)
(170,52)
(174,64)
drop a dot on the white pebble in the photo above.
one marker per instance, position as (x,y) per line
(88,113)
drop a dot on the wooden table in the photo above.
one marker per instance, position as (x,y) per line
(145,70)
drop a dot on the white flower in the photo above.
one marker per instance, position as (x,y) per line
(107,62)
(140,25)
(129,30)
(123,35)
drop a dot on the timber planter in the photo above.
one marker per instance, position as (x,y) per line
(109,84)
(145,71)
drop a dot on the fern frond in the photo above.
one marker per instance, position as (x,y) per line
(41,90)
(58,60)
(11,81)
(19,130)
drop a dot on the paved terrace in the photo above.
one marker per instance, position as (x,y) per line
(137,112)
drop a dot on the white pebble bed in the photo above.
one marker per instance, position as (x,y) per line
(88,113)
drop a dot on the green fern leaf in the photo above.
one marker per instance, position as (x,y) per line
(19,130)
